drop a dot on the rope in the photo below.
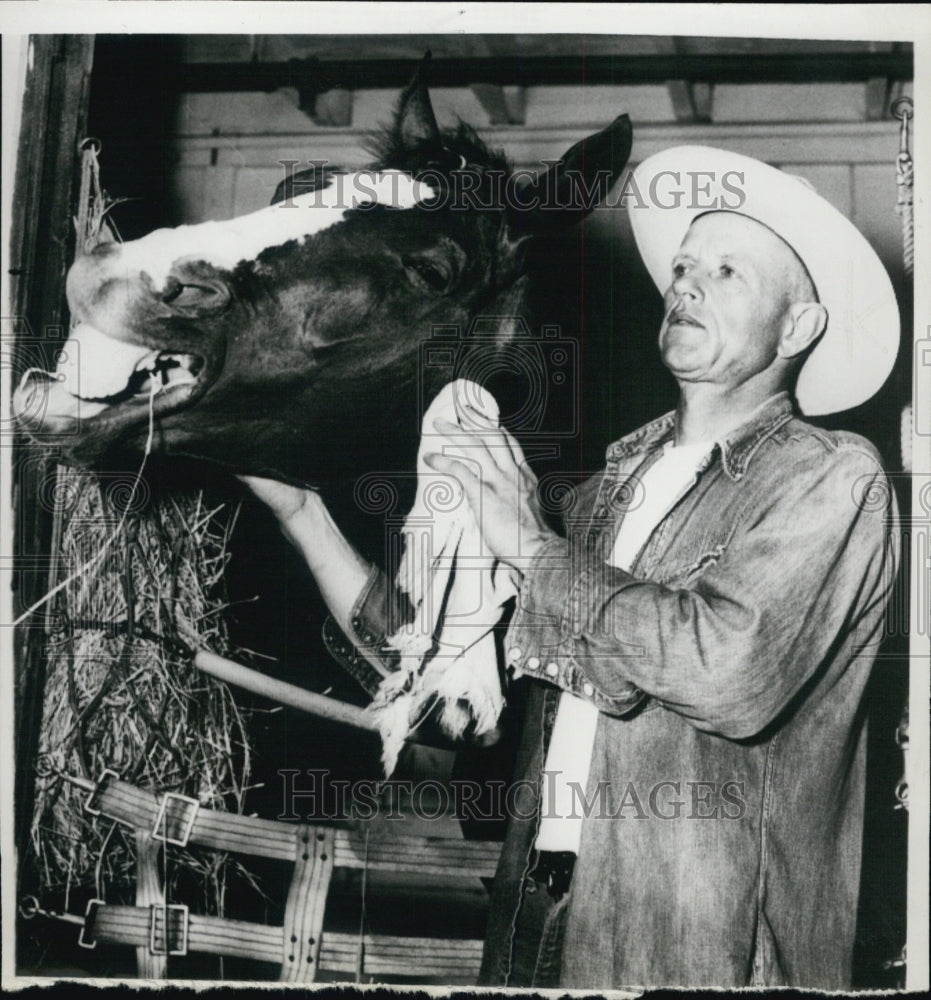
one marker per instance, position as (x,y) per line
(903,109)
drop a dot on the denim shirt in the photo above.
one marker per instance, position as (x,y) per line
(724,809)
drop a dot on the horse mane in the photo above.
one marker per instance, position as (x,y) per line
(389,152)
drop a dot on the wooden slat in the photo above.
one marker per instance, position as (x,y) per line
(149,890)
(209,935)
(431,856)
(265,838)
(397,945)
(383,954)
(422,855)
(303,917)
(409,956)
(138,808)
(274,839)
(302,947)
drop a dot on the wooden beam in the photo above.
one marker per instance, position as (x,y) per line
(877,98)
(680,95)
(491,98)
(702,99)
(334,108)
(691,100)
(502,108)
(319,75)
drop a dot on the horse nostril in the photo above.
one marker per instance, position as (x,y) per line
(172,290)
(107,249)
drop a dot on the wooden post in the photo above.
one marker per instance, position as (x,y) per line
(149,890)
(41,245)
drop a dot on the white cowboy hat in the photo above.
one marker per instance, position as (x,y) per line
(855,355)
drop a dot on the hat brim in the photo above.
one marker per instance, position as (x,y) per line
(856,354)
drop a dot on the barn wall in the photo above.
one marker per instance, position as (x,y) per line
(228,145)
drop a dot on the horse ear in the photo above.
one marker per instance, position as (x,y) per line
(416,123)
(574,185)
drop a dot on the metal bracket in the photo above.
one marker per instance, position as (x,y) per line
(90,914)
(105,776)
(164,909)
(186,819)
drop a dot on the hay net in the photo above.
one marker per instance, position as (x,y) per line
(121,690)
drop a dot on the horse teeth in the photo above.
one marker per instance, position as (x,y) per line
(148,363)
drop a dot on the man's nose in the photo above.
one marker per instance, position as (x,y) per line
(687,287)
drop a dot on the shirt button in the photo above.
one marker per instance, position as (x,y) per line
(533,663)
(515,653)
(587,690)
(551,669)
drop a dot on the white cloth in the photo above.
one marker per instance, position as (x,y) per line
(458,591)
(569,757)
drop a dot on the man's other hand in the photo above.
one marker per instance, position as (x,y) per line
(499,484)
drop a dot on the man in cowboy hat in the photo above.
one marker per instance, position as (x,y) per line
(692,755)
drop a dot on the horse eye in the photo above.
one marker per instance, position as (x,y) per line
(426,272)
(205,294)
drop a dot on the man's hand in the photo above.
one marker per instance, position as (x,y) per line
(499,484)
(285,501)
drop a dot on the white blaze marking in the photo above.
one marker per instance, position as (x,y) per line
(94,365)
(225,244)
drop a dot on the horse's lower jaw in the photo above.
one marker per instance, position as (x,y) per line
(85,428)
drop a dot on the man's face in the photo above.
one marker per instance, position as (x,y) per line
(727,307)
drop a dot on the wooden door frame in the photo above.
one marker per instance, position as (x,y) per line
(54,119)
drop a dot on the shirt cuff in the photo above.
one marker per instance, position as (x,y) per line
(378,611)
(540,643)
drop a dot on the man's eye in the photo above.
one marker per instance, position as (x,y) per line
(678,270)
(727,271)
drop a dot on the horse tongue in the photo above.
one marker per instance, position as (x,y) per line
(92,365)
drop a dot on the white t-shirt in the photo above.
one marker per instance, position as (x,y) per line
(569,757)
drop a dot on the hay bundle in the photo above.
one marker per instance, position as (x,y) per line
(121,692)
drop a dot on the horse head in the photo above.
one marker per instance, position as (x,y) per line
(283,343)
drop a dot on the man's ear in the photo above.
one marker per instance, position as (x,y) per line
(807,323)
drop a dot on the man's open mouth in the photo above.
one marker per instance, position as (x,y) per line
(683,319)
(95,372)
